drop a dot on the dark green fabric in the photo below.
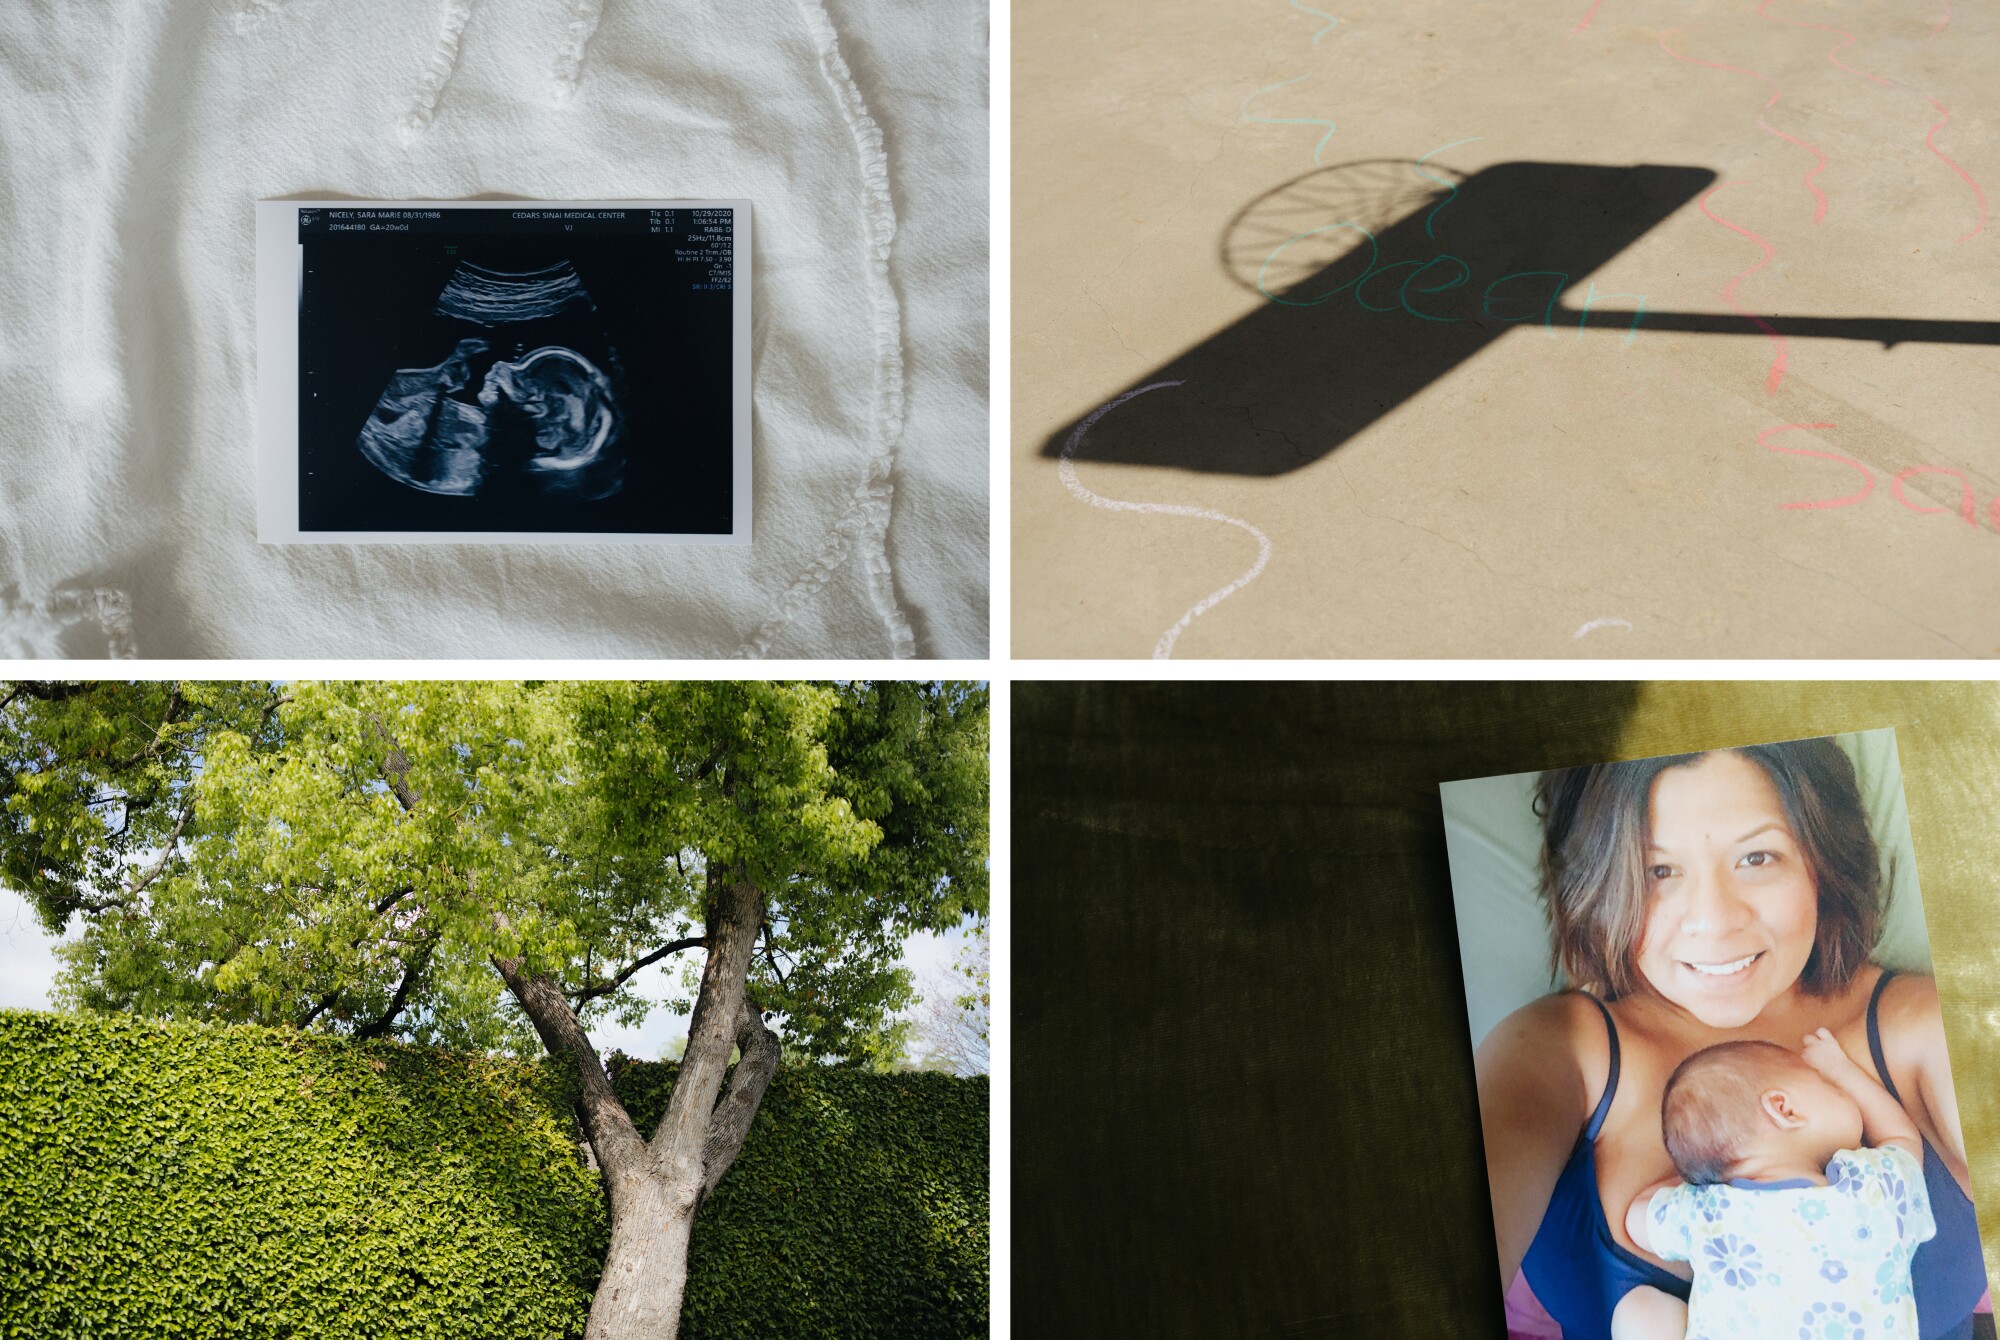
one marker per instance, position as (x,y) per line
(1243,1099)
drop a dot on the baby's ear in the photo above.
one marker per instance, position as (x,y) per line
(1777,1105)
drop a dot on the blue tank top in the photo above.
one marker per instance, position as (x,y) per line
(1579,1271)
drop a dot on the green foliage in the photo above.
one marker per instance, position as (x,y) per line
(165,1179)
(198,1181)
(95,780)
(348,857)
(859,808)
(358,858)
(858,1208)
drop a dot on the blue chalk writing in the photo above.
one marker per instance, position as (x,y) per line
(1288,120)
(1465,273)
(1548,311)
(1590,295)
(1382,271)
(1374,254)
(1412,284)
(1452,185)
(1331,21)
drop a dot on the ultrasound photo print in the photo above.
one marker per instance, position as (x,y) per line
(523,370)
(544,424)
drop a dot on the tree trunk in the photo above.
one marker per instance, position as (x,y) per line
(656,1186)
(645,1271)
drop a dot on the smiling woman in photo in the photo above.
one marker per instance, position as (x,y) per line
(1693,900)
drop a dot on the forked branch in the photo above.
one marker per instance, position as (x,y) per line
(610,984)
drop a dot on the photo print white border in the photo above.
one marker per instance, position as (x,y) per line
(280,273)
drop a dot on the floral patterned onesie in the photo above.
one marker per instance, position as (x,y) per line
(1776,1258)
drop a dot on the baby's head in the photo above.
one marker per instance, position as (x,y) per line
(1753,1108)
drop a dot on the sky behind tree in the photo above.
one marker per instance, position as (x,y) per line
(28,969)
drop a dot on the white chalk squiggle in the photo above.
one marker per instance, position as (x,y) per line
(1164,649)
(1596,624)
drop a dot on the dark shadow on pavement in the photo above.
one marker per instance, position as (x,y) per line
(1377,282)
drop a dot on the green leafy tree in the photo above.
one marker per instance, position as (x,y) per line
(486,865)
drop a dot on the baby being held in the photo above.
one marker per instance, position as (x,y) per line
(1802,1205)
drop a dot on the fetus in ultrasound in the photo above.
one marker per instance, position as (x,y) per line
(516,408)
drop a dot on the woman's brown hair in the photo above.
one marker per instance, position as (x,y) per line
(1594,838)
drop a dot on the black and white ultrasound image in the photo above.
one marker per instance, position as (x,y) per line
(482,381)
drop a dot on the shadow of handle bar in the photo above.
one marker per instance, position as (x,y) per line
(1886,331)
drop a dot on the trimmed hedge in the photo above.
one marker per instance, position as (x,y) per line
(193,1180)
(858,1208)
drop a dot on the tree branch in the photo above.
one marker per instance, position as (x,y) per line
(738,1107)
(606,987)
(320,1008)
(771,955)
(680,1142)
(173,839)
(79,901)
(619,1147)
(410,975)
(411,972)
(395,767)
(152,750)
(125,818)
(390,900)
(47,690)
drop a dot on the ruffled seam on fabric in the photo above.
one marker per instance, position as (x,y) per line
(31,629)
(254,12)
(569,60)
(444,60)
(866,519)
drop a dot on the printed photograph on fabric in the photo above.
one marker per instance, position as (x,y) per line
(537,369)
(1713,1086)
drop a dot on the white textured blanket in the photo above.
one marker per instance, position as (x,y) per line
(134,137)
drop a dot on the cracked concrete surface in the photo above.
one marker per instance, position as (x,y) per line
(1554,477)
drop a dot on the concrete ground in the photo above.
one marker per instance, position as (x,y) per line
(1539,328)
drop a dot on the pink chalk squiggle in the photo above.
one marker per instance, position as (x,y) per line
(1819,163)
(1833,53)
(1764,441)
(1584,22)
(1847,39)
(1164,649)
(1978,195)
(1777,373)
(1718,65)
(1819,166)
